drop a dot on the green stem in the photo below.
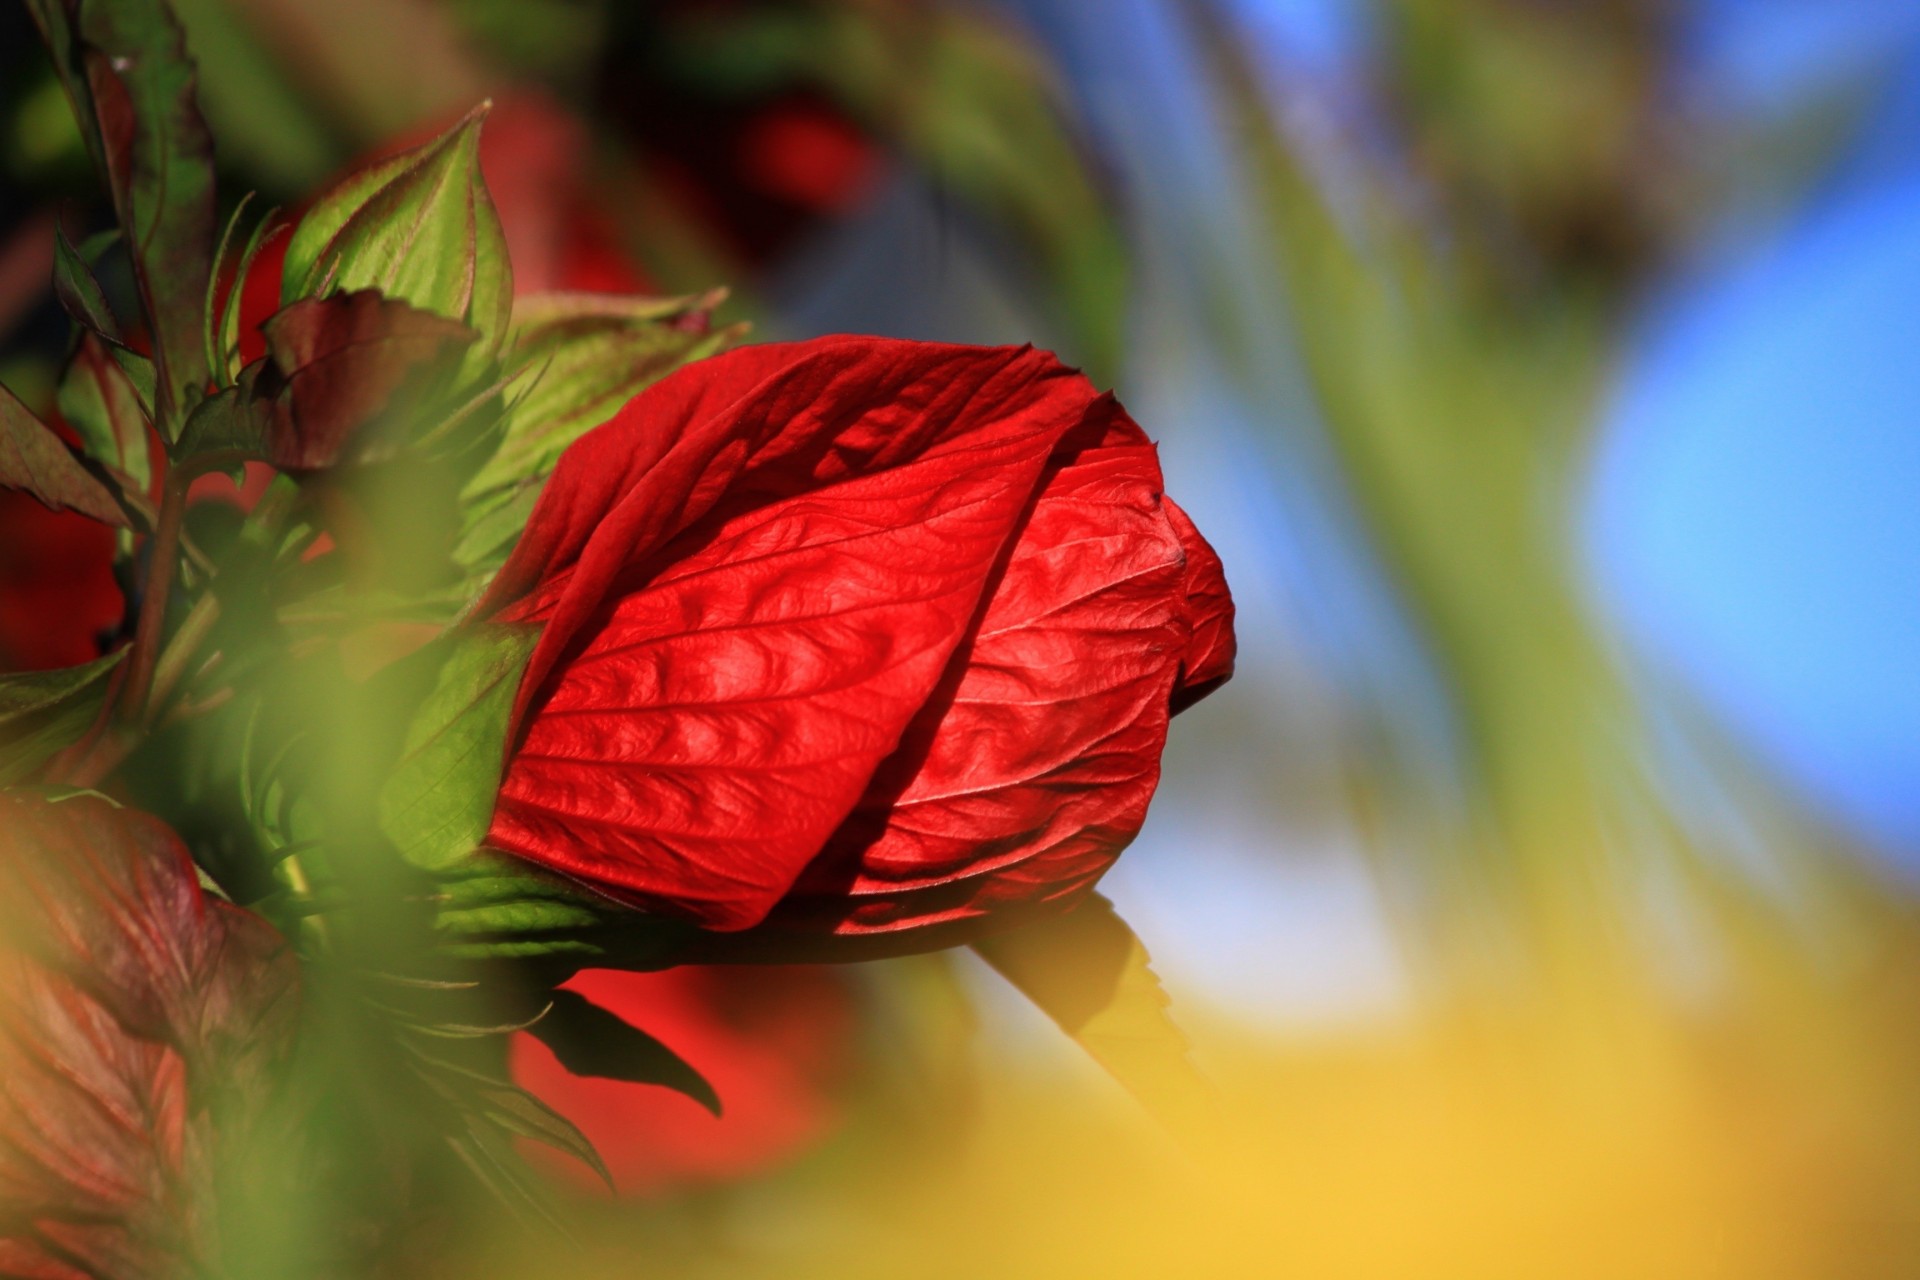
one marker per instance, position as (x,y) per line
(163,565)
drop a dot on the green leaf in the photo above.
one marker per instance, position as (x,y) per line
(79,292)
(576,359)
(438,800)
(159,160)
(1088,972)
(141,373)
(44,712)
(574,368)
(590,1041)
(33,458)
(419,228)
(100,403)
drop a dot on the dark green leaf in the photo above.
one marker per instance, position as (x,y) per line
(589,1041)
(44,712)
(100,403)
(79,292)
(438,800)
(159,161)
(1088,972)
(33,458)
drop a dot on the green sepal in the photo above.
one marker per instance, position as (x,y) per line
(590,1041)
(420,228)
(492,906)
(44,712)
(438,798)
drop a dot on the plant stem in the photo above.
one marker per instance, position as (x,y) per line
(162,566)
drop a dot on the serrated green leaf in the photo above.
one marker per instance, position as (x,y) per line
(102,406)
(158,156)
(1088,972)
(33,458)
(490,1157)
(44,712)
(590,1041)
(79,292)
(420,228)
(437,802)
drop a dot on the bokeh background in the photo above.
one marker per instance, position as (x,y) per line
(1540,894)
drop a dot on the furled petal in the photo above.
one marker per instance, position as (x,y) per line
(751,580)
(1030,770)
(1208,661)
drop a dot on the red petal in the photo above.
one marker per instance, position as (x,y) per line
(57,592)
(1210,644)
(752,578)
(1025,777)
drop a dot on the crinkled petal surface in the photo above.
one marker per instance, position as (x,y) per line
(1029,771)
(752,579)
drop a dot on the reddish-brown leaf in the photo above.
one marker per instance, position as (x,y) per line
(142,1028)
(34,459)
(341,367)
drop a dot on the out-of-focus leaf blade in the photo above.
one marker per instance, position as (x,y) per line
(1089,973)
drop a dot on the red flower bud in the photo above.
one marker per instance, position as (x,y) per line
(853,636)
